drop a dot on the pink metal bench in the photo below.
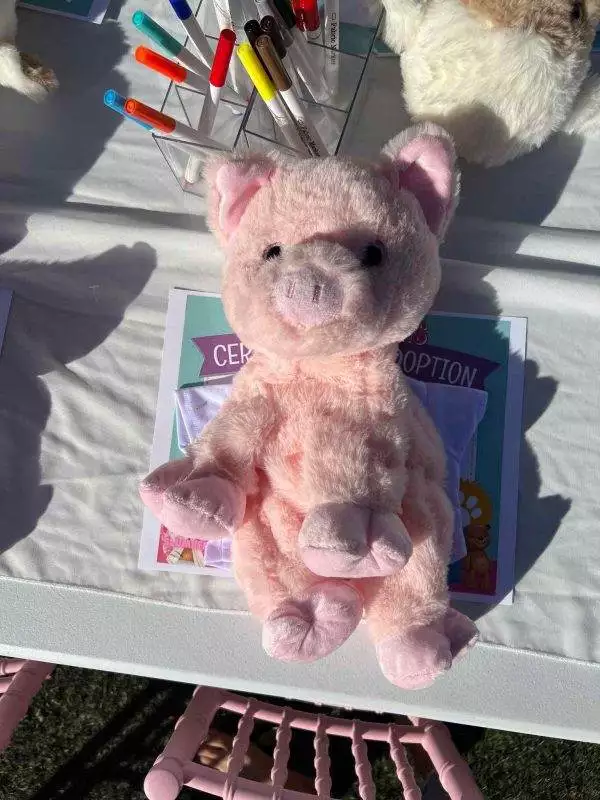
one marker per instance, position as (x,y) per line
(20,681)
(176,767)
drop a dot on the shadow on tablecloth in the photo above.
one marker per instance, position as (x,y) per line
(60,312)
(52,145)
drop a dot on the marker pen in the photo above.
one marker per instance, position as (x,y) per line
(225,19)
(116,102)
(332,42)
(308,20)
(252,30)
(298,50)
(165,124)
(159,35)
(171,70)
(216,80)
(283,84)
(190,23)
(266,89)
(269,26)
(218,74)
(266,8)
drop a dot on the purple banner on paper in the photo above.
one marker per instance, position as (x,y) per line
(440,365)
(223,354)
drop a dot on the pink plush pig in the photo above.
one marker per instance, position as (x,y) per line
(323,466)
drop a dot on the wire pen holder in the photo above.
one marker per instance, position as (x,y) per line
(243,122)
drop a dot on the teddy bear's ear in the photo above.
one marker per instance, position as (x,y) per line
(232,184)
(422,160)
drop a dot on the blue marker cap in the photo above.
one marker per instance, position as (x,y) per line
(181,8)
(153,31)
(116,102)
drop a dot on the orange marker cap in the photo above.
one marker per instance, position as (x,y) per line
(149,115)
(158,63)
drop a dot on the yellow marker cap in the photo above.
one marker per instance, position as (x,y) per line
(264,85)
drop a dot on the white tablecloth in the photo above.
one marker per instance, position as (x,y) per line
(93,233)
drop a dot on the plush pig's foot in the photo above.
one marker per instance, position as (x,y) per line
(340,540)
(413,659)
(461,631)
(307,629)
(205,508)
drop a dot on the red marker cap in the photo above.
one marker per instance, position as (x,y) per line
(307,14)
(223,53)
(149,115)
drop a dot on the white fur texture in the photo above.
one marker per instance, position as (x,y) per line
(500,92)
(11,69)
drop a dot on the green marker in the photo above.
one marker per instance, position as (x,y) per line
(159,36)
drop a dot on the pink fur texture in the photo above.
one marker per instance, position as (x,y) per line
(322,462)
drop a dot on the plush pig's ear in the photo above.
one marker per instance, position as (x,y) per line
(422,160)
(232,184)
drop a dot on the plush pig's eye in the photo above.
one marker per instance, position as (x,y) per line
(372,255)
(272,251)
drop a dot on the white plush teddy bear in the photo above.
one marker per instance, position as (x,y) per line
(19,71)
(500,75)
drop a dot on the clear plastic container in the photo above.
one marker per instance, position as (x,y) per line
(243,121)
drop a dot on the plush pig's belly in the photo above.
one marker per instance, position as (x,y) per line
(309,416)
(284,457)
(319,429)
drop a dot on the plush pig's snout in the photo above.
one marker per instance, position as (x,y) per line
(307,297)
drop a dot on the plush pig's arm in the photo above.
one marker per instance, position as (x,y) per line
(204,495)
(230,444)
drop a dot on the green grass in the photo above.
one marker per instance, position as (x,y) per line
(513,767)
(90,736)
(94,736)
